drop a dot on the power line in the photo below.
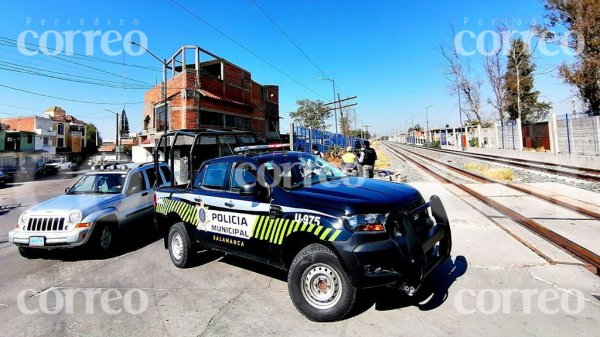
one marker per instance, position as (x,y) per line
(77,63)
(245,48)
(66,99)
(80,56)
(288,38)
(294,43)
(8,66)
(19,107)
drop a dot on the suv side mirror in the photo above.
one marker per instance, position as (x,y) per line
(67,190)
(249,190)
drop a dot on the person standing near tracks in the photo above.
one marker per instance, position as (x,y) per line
(367,159)
(357,152)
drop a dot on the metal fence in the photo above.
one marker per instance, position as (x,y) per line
(578,135)
(305,138)
(508,137)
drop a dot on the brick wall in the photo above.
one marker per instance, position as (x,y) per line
(20,123)
(185,103)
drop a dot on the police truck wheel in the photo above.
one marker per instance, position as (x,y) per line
(180,246)
(318,285)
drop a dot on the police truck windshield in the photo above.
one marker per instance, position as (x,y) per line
(298,170)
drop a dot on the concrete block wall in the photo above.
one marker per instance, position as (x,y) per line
(579,135)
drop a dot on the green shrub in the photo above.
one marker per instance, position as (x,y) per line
(474,142)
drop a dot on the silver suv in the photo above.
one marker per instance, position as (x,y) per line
(92,211)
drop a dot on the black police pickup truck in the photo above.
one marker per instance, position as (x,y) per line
(334,234)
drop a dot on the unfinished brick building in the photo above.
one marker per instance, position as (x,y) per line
(206,91)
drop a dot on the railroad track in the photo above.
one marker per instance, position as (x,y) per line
(586,174)
(583,254)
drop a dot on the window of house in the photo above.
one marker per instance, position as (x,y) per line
(160,113)
(61,142)
(211,118)
(61,129)
(147,122)
(29,139)
(45,141)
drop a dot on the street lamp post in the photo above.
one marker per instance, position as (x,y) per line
(334,108)
(427,117)
(164,64)
(116,133)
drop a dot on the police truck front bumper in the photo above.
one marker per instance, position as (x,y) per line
(403,258)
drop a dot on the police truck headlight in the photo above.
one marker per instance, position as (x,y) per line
(74,217)
(365,222)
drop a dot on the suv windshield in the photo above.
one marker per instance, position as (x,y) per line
(298,170)
(110,183)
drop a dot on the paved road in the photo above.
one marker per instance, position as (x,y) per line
(494,286)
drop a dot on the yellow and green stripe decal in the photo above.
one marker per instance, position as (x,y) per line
(276,230)
(185,211)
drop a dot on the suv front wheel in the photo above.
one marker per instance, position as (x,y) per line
(318,285)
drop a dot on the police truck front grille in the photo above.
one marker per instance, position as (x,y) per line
(45,224)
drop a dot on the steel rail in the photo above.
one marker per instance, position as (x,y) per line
(571,247)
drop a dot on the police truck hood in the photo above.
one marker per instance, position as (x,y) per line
(357,195)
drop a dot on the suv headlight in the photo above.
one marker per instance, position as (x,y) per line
(365,222)
(23,219)
(74,218)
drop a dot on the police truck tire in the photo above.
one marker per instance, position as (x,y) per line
(318,285)
(180,246)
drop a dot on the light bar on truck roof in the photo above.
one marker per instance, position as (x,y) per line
(260,147)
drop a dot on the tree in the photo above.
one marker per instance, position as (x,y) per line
(521,98)
(311,114)
(580,17)
(124,131)
(90,138)
(467,88)
(360,134)
(495,71)
(416,127)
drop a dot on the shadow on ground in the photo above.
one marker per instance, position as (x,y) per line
(129,240)
(431,295)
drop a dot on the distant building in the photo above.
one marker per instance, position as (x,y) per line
(40,137)
(209,92)
(70,131)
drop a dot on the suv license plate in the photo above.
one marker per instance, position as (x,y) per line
(36,241)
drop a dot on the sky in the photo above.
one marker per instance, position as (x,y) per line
(384,52)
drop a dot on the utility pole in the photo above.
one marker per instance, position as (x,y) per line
(367,129)
(116,133)
(164,64)
(345,126)
(427,117)
(459,112)
(334,109)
